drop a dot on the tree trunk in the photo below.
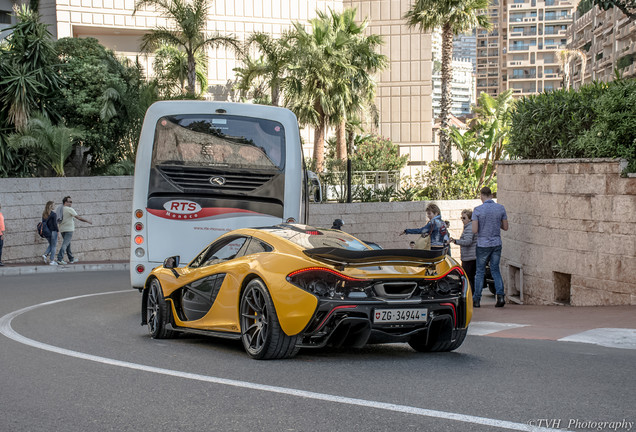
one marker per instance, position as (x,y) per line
(446,101)
(275,94)
(319,146)
(192,75)
(341,140)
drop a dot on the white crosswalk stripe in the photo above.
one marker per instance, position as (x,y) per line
(483,328)
(607,337)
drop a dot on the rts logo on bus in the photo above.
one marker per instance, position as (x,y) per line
(182,209)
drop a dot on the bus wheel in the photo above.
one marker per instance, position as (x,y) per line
(261,333)
(157,312)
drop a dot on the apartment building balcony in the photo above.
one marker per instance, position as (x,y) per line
(522,34)
(605,62)
(550,76)
(550,17)
(554,47)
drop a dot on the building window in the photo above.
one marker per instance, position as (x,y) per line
(5,17)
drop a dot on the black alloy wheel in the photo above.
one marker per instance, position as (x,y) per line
(157,312)
(261,332)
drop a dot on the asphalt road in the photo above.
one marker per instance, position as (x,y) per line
(87,364)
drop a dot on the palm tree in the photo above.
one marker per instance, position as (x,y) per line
(318,59)
(565,58)
(188,34)
(52,144)
(271,66)
(355,86)
(171,70)
(492,126)
(453,17)
(27,79)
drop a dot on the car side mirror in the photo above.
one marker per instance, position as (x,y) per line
(314,189)
(171,262)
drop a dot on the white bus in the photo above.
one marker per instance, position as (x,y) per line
(206,168)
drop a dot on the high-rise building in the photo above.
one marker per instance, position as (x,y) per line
(465,47)
(521,51)
(607,39)
(462,88)
(463,82)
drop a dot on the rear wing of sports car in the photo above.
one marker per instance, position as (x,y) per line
(350,258)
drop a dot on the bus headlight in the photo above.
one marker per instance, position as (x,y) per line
(139,252)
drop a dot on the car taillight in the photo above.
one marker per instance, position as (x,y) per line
(324,282)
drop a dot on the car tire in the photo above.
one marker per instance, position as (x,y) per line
(261,333)
(421,343)
(157,312)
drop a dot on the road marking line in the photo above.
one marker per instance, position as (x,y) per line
(607,337)
(483,328)
(7,330)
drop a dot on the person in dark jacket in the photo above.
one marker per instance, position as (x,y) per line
(50,218)
(337,224)
(468,247)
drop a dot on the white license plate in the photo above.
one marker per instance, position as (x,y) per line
(399,315)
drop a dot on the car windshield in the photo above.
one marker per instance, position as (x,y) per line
(309,237)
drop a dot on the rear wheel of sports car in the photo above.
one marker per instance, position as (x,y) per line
(157,312)
(435,342)
(261,333)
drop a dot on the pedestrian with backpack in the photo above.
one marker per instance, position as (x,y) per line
(67,227)
(49,220)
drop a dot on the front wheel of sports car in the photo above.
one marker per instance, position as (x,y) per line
(261,334)
(157,312)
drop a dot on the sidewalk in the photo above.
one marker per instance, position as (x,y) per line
(40,267)
(611,326)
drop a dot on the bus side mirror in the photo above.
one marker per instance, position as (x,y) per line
(314,187)
(171,262)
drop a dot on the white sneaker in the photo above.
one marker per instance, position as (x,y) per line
(73,261)
(61,262)
(46,259)
(53,263)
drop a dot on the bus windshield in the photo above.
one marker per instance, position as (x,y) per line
(219,141)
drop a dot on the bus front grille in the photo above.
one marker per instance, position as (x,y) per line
(189,178)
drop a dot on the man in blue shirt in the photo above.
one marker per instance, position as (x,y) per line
(488,220)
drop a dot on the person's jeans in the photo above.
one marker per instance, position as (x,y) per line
(66,246)
(52,245)
(485,255)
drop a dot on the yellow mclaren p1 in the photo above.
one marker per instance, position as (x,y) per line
(286,287)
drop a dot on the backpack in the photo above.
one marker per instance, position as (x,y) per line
(59,211)
(43,230)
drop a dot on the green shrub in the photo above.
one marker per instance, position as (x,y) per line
(595,122)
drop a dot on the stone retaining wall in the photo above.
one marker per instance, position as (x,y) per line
(106,201)
(572,232)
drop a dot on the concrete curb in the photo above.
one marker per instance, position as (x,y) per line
(8,270)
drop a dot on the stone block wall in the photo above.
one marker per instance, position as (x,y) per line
(572,231)
(107,201)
